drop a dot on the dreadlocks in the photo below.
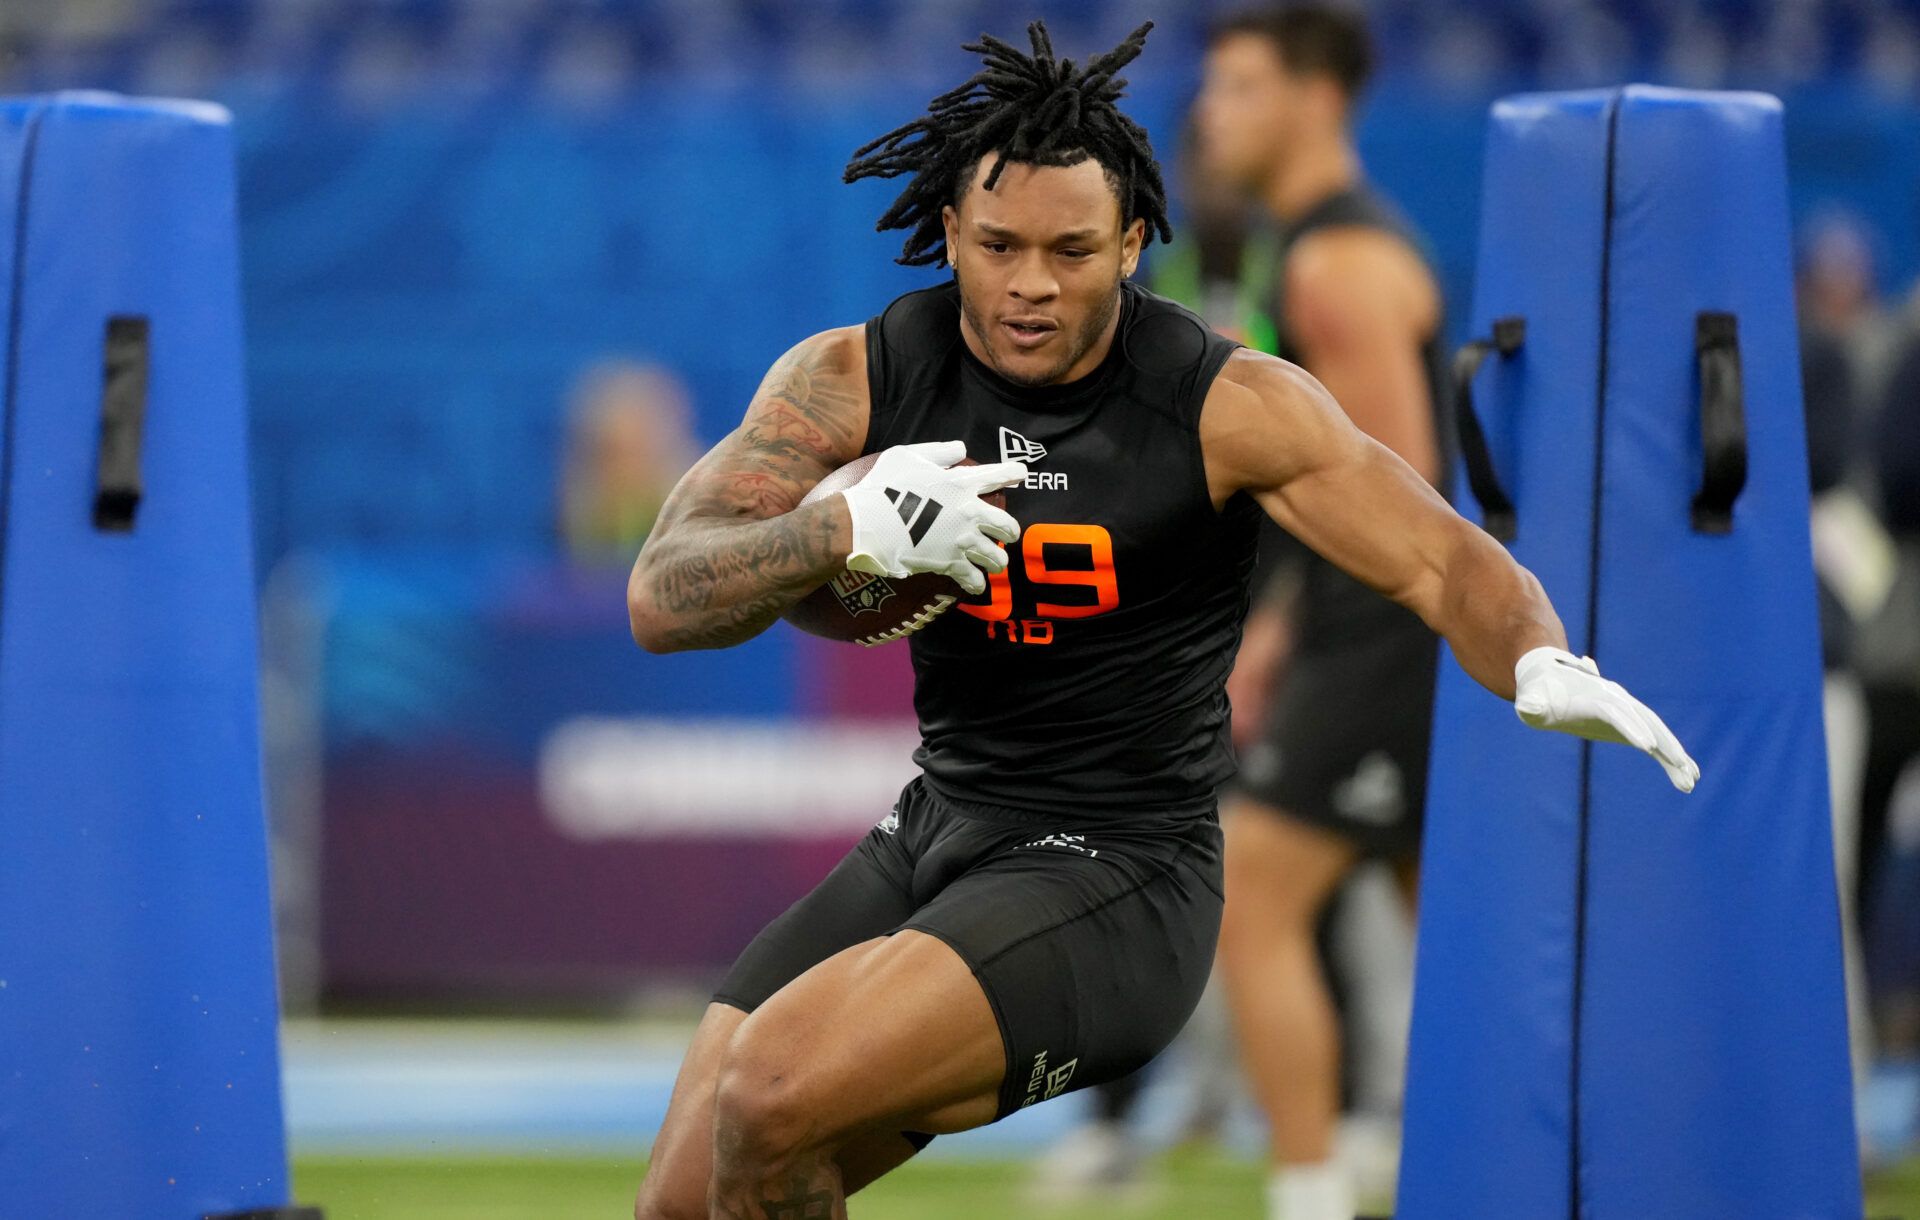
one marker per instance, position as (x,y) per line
(1033,109)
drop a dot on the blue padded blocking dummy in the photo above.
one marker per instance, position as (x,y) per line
(1490,1054)
(1632,1007)
(138,1023)
(1715,1072)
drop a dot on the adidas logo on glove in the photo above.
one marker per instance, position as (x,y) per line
(916,513)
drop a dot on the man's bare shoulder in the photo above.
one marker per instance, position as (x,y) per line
(820,386)
(1257,389)
(808,417)
(836,357)
(839,343)
(1249,374)
(1332,259)
(1353,277)
(1263,418)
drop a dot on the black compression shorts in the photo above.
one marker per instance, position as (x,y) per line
(1092,943)
(1345,747)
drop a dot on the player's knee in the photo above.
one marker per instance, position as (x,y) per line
(761,1110)
(650,1207)
(679,1171)
(1280,875)
(1253,897)
(1256,917)
(663,1197)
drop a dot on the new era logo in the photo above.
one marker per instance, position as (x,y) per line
(1017,448)
(917,512)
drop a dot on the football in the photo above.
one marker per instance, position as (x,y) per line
(861,608)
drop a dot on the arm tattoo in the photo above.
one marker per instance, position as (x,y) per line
(820,385)
(734,580)
(729,554)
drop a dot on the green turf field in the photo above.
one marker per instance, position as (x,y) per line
(1181,1188)
(603,1190)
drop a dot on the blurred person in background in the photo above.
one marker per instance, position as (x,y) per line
(1846,536)
(1861,370)
(1852,340)
(1868,584)
(1342,677)
(1896,445)
(1834,278)
(629,439)
(1888,655)
(1221,262)
(1836,287)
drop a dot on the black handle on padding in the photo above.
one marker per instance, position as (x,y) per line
(1495,505)
(123,418)
(1723,422)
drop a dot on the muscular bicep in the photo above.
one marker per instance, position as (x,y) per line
(1273,431)
(1371,515)
(808,418)
(1384,389)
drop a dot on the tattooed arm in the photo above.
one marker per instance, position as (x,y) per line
(730,552)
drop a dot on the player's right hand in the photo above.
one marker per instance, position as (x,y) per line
(916,511)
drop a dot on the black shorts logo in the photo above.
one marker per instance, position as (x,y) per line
(1069,842)
(1043,1084)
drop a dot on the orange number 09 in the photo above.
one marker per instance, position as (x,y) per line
(1033,546)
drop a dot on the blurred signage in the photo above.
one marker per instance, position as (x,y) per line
(605,778)
(516,802)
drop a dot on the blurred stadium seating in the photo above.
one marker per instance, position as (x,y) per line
(450,204)
(386,51)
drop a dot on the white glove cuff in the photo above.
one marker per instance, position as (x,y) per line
(859,533)
(1535,660)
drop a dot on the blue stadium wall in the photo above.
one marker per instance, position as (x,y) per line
(423,286)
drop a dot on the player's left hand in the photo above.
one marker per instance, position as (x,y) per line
(1557,690)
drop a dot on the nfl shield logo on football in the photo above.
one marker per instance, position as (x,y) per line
(861,592)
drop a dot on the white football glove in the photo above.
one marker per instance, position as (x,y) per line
(1557,690)
(918,512)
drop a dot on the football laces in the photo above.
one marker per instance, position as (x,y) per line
(932,610)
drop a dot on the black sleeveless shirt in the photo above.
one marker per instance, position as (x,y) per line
(1336,610)
(1088,682)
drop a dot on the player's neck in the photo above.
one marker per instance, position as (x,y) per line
(1311,173)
